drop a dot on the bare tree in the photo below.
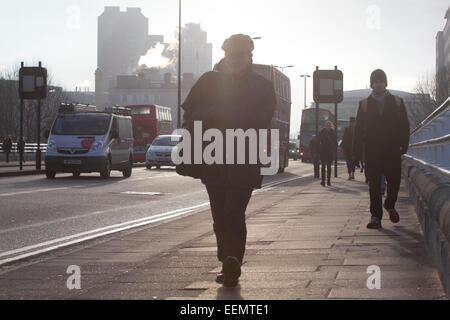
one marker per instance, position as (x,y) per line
(424,100)
(10,107)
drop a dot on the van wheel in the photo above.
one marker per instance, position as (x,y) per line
(127,172)
(75,174)
(50,174)
(106,172)
(148,166)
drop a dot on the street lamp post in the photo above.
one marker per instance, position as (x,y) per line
(283,67)
(305,76)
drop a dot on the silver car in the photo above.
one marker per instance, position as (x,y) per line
(160,151)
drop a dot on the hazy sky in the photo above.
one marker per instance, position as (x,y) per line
(356,35)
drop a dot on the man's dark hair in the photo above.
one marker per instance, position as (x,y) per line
(378,75)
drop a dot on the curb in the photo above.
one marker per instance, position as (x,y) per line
(42,171)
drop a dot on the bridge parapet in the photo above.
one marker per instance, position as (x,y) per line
(426,169)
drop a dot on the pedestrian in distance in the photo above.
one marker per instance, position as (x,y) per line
(7,146)
(314,149)
(382,127)
(328,143)
(229,97)
(347,145)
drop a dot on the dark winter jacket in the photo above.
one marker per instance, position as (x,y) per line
(384,137)
(347,140)
(223,102)
(7,145)
(328,143)
(314,146)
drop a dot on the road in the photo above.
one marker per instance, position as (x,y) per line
(38,215)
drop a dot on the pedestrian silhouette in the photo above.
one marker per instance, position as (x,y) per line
(382,128)
(327,138)
(347,145)
(230,97)
(314,148)
(7,146)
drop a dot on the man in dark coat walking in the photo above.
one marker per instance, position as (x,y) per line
(327,138)
(382,129)
(347,145)
(230,97)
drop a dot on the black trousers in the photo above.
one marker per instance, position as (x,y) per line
(392,171)
(350,163)
(228,207)
(326,162)
(316,162)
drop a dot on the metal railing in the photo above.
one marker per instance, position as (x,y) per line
(29,147)
(430,140)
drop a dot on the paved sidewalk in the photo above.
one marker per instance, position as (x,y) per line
(304,242)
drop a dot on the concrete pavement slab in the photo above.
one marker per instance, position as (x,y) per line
(304,242)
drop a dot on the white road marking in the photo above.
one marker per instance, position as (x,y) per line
(142,193)
(95,233)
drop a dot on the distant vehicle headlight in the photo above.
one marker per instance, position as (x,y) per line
(97,145)
(51,145)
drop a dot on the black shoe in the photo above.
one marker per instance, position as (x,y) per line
(323,183)
(220,277)
(393,214)
(328,183)
(375,223)
(231,271)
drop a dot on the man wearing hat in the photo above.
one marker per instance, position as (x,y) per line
(382,129)
(230,97)
(346,145)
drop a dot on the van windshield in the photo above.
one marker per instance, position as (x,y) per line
(75,124)
(166,141)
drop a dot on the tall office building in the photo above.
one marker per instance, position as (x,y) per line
(122,39)
(196,52)
(443,61)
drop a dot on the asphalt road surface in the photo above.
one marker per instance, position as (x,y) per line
(38,214)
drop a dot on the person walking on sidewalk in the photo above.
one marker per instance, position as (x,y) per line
(7,146)
(347,144)
(382,127)
(327,138)
(232,96)
(314,148)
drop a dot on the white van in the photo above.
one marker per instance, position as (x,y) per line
(84,139)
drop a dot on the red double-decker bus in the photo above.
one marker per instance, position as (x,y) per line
(282,115)
(149,121)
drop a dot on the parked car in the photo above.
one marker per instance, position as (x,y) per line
(160,151)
